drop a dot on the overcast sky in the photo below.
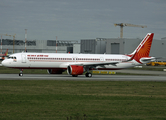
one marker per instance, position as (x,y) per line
(81,19)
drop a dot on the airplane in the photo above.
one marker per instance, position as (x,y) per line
(77,64)
(4,55)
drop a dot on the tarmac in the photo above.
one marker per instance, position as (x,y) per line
(145,76)
(136,75)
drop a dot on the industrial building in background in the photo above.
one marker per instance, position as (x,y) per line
(86,46)
(93,46)
(41,46)
(121,46)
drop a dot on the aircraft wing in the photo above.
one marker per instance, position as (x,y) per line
(3,55)
(97,63)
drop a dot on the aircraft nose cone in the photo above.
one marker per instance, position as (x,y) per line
(3,63)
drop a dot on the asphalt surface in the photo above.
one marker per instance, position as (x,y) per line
(139,75)
(82,77)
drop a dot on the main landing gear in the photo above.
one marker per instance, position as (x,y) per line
(88,74)
(21,73)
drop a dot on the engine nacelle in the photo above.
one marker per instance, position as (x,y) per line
(75,70)
(55,71)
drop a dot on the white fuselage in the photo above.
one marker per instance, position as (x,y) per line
(61,61)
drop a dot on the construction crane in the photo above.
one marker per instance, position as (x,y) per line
(126,24)
(14,36)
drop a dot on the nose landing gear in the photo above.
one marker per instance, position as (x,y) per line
(21,73)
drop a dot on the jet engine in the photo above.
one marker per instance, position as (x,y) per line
(55,71)
(75,70)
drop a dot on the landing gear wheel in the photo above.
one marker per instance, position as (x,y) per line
(21,73)
(88,74)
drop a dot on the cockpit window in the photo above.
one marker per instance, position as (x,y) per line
(13,57)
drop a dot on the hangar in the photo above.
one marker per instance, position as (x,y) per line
(121,46)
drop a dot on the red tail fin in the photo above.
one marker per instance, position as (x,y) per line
(6,53)
(143,48)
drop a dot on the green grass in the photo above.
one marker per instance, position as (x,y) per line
(82,100)
(152,68)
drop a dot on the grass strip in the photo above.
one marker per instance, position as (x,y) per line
(78,100)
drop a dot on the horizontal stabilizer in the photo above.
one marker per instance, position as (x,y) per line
(147,59)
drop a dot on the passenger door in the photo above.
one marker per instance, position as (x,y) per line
(23,56)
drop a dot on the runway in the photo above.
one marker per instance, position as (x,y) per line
(82,77)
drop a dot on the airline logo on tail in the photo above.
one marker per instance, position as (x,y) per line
(143,48)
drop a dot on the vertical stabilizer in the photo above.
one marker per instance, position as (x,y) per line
(143,48)
(6,53)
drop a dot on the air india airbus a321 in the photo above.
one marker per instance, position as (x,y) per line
(77,64)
